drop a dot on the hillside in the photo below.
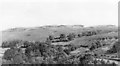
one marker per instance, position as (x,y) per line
(62,44)
(40,33)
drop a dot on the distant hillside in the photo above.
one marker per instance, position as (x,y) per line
(89,39)
(41,33)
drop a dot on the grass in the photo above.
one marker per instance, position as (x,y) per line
(41,33)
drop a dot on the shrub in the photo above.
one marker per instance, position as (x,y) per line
(10,53)
(71,36)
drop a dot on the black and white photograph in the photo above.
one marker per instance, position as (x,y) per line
(59,32)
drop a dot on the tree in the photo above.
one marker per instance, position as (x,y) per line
(10,43)
(67,51)
(51,37)
(48,41)
(27,51)
(95,61)
(62,37)
(39,60)
(92,47)
(5,44)
(37,53)
(4,61)
(114,64)
(118,54)
(82,60)
(79,35)
(49,61)
(15,55)
(9,54)
(94,33)
(102,62)
(71,36)
(17,59)
(115,48)
(88,33)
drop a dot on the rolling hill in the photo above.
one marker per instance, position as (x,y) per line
(95,41)
(40,33)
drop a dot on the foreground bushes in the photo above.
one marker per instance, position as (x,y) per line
(44,53)
(35,52)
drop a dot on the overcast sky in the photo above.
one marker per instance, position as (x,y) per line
(32,13)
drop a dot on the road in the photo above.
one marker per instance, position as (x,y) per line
(111,61)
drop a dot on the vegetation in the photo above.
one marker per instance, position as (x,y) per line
(69,49)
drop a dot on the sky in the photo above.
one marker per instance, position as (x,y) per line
(34,13)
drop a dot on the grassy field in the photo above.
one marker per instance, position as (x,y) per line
(40,33)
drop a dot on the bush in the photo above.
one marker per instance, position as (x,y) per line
(71,36)
(17,59)
(9,54)
(115,48)
(51,37)
(63,37)
(15,55)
